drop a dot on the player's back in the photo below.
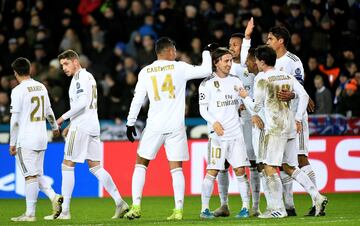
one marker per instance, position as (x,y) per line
(83,83)
(165,83)
(30,99)
(279,119)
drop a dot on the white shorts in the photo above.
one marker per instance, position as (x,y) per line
(279,150)
(30,162)
(80,146)
(247,133)
(302,139)
(175,143)
(258,136)
(233,151)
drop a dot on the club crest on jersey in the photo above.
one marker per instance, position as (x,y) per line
(77,85)
(216,84)
(246,73)
(247,88)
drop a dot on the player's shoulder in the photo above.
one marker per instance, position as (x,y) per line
(83,74)
(233,76)
(207,80)
(292,57)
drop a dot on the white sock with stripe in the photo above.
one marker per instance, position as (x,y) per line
(46,188)
(223,185)
(206,191)
(305,182)
(67,186)
(31,195)
(311,174)
(138,181)
(106,180)
(178,182)
(244,190)
(287,185)
(255,187)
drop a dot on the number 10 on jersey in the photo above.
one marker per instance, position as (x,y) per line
(167,86)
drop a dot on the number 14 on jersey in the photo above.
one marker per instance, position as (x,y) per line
(167,86)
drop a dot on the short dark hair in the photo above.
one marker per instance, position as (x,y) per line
(163,43)
(217,54)
(280,32)
(251,52)
(267,54)
(21,66)
(237,35)
(68,54)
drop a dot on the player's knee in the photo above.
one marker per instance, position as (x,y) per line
(260,167)
(288,169)
(303,160)
(142,161)
(239,171)
(28,178)
(212,172)
(68,163)
(253,164)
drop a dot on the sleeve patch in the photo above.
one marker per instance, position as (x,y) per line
(78,85)
(79,91)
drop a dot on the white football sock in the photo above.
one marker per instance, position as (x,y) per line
(244,189)
(275,191)
(67,187)
(206,191)
(311,174)
(46,188)
(223,185)
(305,182)
(105,179)
(31,195)
(255,187)
(287,185)
(138,181)
(178,182)
(265,188)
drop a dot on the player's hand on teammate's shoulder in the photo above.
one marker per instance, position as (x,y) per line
(256,121)
(211,47)
(130,133)
(243,93)
(12,150)
(285,95)
(249,28)
(219,130)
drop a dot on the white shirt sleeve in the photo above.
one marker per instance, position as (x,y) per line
(259,95)
(298,71)
(80,100)
(14,128)
(15,105)
(202,71)
(303,100)
(204,97)
(245,46)
(137,101)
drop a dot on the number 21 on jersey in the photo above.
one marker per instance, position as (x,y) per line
(167,86)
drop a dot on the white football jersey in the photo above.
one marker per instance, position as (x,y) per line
(247,80)
(279,119)
(83,83)
(164,82)
(223,101)
(292,65)
(31,101)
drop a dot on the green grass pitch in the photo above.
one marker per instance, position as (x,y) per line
(343,209)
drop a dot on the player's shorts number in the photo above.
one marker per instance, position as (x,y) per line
(167,86)
(215,153)
(39,102)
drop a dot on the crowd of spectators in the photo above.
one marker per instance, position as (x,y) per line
(115,39)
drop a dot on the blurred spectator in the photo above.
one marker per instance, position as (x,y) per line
(70,40)
(146,55)
(323,99)
(330,68)
(311,71)
(58,102)
(148,28)
(196,51)
(349,104)
(4,107)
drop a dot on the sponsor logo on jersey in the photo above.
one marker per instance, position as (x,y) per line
(216,84)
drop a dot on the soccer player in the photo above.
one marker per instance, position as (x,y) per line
(281,125)
(278,39)
(239,45)
(30,107)
(82,136)
(219,104)
(164,83)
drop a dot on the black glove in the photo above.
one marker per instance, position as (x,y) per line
(212,46)
(130,133)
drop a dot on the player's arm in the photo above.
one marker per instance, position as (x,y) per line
(246,43)
(15,109)
(201,71)
(137,101)
(303,100)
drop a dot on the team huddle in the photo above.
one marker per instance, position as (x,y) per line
(256,112)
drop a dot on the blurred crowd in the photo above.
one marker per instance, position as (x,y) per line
(115,39)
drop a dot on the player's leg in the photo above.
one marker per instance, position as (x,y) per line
(176,148)
(290,163)
(236,154)
(223,186)
(149,145)
(26,160)
(274,147)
